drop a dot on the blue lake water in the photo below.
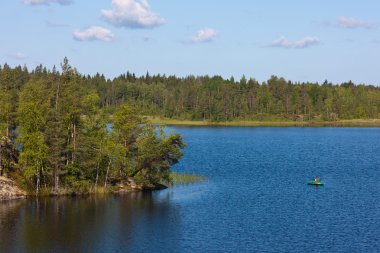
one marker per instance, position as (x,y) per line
(255,199)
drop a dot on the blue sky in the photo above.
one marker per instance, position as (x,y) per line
(300,40)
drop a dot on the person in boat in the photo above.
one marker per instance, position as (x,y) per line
(317,179)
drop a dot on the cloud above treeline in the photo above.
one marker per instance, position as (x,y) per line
(19,56)
(47,2)
(302,43)
(94,33)
(349,22)
(132,14)
(204,35)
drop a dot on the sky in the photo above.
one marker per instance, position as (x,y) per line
(300,40)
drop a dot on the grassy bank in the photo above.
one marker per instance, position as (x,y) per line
(185,178)
(338,123)
(81,191)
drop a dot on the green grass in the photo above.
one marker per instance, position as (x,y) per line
(338,123)
(183,179)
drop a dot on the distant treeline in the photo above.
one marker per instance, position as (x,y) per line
(218,99)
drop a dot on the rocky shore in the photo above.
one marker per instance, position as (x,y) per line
(9,191)
(129,185)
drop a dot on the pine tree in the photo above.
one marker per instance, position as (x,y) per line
(31,111)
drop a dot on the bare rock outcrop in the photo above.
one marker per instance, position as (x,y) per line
(9,190)
(130,185)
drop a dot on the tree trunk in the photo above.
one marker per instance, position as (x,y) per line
(68,152)
(108,169)
(97,174)
(38,181)
(135,172)
(56,178)
(43,176)
(74,143)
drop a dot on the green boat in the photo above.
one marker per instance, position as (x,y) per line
(315,183)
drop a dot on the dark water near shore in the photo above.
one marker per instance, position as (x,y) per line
(255,199)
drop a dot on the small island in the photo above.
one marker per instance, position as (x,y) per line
(56,139)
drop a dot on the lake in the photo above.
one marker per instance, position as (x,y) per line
(255,199)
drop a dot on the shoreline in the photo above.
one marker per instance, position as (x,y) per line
(9,189)
(243,123)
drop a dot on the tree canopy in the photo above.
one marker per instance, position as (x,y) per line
(55,135)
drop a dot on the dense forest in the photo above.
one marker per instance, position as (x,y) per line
(217,99)
(61,129)
(56,138)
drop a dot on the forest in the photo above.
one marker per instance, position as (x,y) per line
(56,138)
(216,99)
(60,129)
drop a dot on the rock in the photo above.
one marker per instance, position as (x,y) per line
(9,190)
(155,187)
(130,185)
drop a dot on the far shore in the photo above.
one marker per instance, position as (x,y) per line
(338,123)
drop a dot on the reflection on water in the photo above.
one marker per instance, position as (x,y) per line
(128,223)
(10,212)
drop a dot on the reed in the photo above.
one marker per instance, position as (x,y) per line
(183,179)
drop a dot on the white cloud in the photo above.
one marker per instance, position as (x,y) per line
(204,35)
(94,33)
(132,14)
(302,43)
(19,56)
(349,22)
(46,2)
